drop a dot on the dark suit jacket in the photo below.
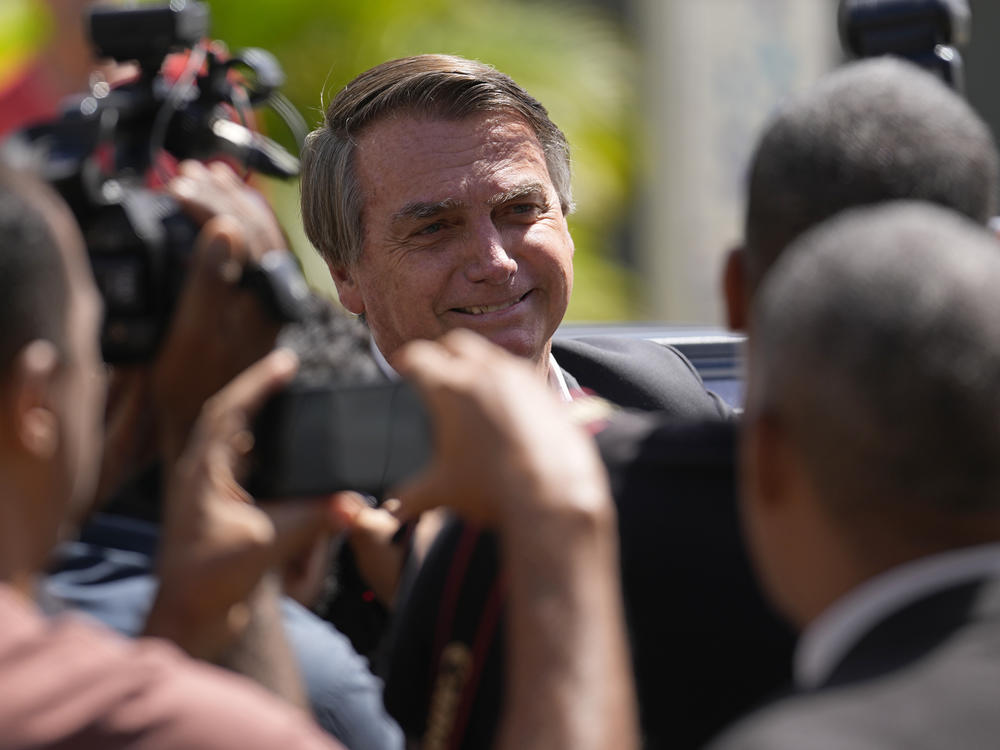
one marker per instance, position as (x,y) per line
(704,642)
(926,676)
(638,374)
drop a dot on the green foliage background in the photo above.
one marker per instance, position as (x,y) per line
(574,59)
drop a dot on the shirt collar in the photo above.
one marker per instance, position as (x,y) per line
(382,362)
(832,635)
(556,378)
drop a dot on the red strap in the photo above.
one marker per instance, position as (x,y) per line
(449,597)
(480,650)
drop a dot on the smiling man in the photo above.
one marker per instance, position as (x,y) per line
(471,233)
(437,191)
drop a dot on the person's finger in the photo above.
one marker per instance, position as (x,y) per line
(193,169)
(429,366)
(415,497)
(203,192)
(457,360)
(225,175)
(217,258)
(298,522)
(374,523)
(466,344)
(216,190)
(191,189)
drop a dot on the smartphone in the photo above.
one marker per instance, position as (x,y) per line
(313,440)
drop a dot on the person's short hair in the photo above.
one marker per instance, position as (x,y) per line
(33,283)
(876,130)
(434,86)
(877,347)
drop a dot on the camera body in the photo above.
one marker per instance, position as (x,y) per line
(314,440)
(928,33)
(112,148)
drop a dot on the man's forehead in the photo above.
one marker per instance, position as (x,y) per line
(421,152)
(412,168)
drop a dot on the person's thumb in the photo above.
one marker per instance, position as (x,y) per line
(298,522)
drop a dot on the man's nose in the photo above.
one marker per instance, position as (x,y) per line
(488,258)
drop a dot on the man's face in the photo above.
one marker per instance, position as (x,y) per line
(462,228)
(81,378)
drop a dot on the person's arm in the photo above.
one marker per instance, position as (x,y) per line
(218,598)
(217,329)
(507,455)
(217,545)
(571,684)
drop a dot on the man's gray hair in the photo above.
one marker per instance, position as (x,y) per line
(877,346)
(872,131)
(436,86)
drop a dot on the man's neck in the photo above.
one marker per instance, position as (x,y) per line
(25,539)
(19,556)
(546,364)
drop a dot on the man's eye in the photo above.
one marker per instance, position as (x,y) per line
(524,208)
(437,226)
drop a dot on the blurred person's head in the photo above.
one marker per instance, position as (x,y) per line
(437,190)
(871,430)
(872,131)
(51,374)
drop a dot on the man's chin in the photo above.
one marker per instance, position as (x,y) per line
(532,348)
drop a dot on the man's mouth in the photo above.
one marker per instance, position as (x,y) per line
(483,309)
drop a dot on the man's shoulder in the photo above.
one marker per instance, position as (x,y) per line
(639,374)
(947,698)
(634,440)
(78,684)
(794,722)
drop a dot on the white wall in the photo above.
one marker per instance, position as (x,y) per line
(714,71)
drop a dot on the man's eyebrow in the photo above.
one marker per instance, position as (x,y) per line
(425,209)
(517,193)
(418,210)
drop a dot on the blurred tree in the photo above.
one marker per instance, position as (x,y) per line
(570,56)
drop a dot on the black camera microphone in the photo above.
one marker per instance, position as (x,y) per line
(101,149)
(928,33)
(255,151)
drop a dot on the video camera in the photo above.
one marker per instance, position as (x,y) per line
(112,147)
(928,33)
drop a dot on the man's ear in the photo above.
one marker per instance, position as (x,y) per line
(31,399)
(763,461)
(736,289)
(347,288)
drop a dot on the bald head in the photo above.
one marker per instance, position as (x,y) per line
(873,131)
(877,349)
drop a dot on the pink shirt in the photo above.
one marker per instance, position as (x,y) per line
(69,683)
(28,99)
